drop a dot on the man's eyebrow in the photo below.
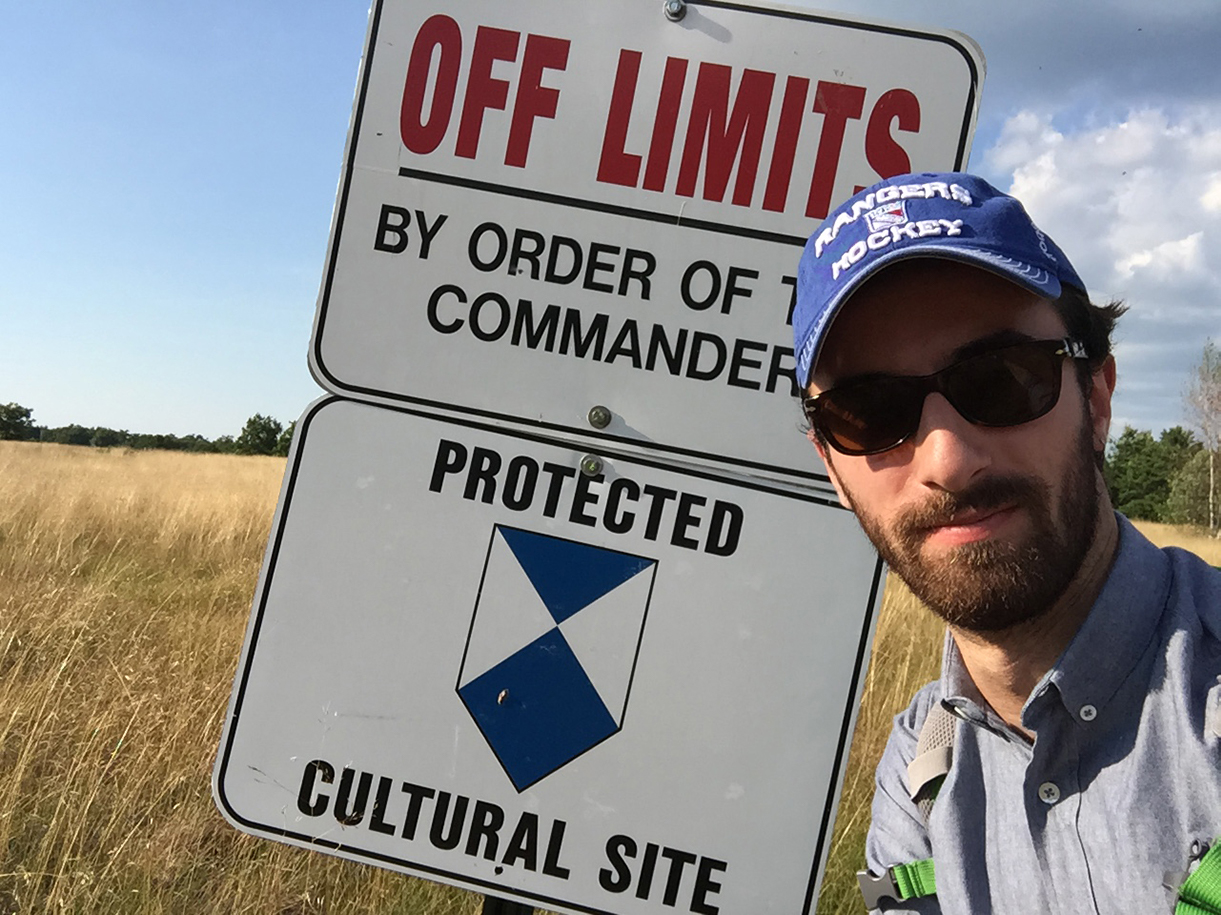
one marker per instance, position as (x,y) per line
(966,351)
(990,342)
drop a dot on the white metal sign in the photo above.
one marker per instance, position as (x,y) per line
(478,657)
(550,206)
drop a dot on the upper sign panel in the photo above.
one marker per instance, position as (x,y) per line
(551,206)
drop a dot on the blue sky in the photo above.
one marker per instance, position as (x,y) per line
(170,172)
(168,184)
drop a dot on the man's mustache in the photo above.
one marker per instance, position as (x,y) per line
(945,507)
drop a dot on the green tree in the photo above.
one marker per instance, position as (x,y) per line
(285,439)
(161,441)
(1188,501)
(17,423)
(1132,474)
(259,435)
(108,438)
(198,443)
(1178,446)
(1140,469)
(71,434)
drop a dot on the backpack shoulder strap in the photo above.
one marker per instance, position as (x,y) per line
(934,756)
(925,773)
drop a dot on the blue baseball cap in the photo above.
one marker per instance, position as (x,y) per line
(954,215)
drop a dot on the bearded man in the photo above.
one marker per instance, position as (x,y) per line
(959,385)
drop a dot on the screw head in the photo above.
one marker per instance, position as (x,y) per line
(599,416)
(675,9)
(591,465)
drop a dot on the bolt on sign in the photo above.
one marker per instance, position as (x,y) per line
(597,685)
(548,206)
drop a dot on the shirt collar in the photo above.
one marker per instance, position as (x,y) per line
(1119,628)
(961,695)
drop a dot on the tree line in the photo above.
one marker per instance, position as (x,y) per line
(260,435)
(1165,478)
(1171,478)
(1161,479)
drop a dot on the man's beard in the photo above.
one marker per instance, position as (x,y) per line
(988,586)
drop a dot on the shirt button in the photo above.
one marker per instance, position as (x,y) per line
(1049,793)
(1088,713)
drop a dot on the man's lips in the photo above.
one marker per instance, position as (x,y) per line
(970,526)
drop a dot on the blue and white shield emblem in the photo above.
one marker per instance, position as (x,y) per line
(887,215)
(552,648)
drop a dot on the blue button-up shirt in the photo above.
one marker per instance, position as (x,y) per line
(1123,776)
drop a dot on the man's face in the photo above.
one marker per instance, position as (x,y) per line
(986,525)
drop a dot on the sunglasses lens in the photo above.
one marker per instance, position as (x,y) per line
(1008,386)
(1004,387)
(869,416)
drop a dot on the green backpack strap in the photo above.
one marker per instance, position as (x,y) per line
(1200,893)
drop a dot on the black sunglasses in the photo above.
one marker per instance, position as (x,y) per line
(1006,386)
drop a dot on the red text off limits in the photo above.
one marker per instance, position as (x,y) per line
(721,125)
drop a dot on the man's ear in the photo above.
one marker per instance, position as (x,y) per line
(1102,386)
(826,459)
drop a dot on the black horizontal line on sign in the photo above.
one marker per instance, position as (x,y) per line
(597,207)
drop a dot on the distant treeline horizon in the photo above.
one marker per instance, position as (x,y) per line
(260,435)
(1171,478)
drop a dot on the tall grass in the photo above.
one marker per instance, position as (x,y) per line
(906,655)
(125,584)
(1199,542)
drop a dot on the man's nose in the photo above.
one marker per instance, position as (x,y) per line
(950,451)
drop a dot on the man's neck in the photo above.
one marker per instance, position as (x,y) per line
(1007,665)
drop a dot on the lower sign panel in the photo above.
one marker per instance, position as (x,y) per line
(623,692)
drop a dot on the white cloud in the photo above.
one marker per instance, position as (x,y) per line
(1211,198)
(1166,261)
(1110,194)
(1136,205)
(1025,138)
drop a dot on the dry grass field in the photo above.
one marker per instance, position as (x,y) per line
(125,583)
